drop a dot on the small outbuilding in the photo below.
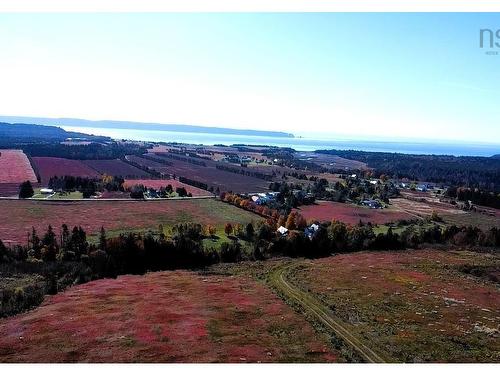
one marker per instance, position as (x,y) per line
(282,230)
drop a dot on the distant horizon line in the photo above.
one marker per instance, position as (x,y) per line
(175,127)
(155,126)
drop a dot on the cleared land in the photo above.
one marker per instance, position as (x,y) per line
(12,189)
(481,220)
(17,217)
(49,167)
(423,204)
(412,306)
(15,167)
(163,317)
(116,168)
(332,161)
(425,207)
(226,181)
(318,311)
(350,214)
(157,184)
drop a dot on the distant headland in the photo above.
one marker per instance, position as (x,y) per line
(111,124)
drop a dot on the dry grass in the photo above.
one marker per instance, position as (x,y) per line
(414,305)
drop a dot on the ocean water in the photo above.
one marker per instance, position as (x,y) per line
(299,144)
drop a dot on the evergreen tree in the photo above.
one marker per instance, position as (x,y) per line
(102,239)
(249,231)
(35,244)
(3,252)
(50,248)
(65,236)
(49,239)
(26,190)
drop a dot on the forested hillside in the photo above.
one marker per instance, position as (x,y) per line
(469,171)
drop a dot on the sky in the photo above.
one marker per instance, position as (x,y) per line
(367,75)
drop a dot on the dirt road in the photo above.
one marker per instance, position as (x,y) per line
(278,278)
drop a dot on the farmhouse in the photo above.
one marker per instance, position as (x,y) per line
(263,198)
(282,230)
(310,230)
(259,200)
(371,203)
(422,187)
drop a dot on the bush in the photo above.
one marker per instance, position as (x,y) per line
(17,299)
(230,252)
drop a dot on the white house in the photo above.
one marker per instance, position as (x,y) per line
(282,230)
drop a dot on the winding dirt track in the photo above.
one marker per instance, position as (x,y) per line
(278,278)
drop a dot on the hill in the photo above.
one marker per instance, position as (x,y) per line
(173,316)
(143,126)
(21,132)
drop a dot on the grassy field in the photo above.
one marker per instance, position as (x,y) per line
(17,217)
(163,317)
(57,196)
(483,221)
(413,306)
(350,213)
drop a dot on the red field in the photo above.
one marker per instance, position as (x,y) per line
(10,190)
(350,214)
(15,167)
(116,168)
(49,167)
(17,217)
(163,317)
(226,181)
(414,306)
(157,184)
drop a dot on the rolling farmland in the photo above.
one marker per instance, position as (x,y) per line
(350,214)
(195,318)
(157,184)
(17,217)
(49,167)
(15,167)
(226,181)
(116,168)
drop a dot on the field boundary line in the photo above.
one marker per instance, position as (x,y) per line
(45,200)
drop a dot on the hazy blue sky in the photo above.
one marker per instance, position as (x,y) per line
(391,75)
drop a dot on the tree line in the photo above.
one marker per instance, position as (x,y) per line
(468,171)
(181,158)
(245,172)
(476,196)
